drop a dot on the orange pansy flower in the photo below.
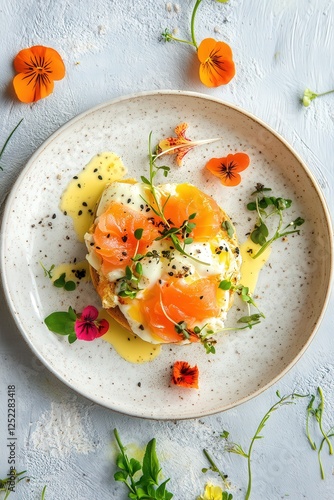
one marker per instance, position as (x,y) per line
(217,66)
(228,168)
(185,375)
(37,68)
(180,140)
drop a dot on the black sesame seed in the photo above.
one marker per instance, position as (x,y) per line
(124,238)
(95,169)
(98,248)
(124,253)
(54,216)
(79,185)
(99,177)
(141,327)
(84,204)
(75,177)
(80,212)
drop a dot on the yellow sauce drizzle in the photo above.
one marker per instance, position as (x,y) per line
(130,347)
(250,267)
(83,192)
(78,270)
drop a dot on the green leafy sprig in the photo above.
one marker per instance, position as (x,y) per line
(317,414)
(249,320)
(61,281)
(147,486)
(237,448)
(8,139)
(168,232)
(129,283)
(269,206)
(62,322)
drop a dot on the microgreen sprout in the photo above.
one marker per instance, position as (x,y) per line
(317,413)
(147,486)
(129,283)
(172,233)
(8,139)
(276,207)
(62,283)
(249,320)
(48,272)
(232,447)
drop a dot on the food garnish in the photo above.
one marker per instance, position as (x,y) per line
(37,68)
(232,447)
(8,139)
(185,375)
(215,57)
(60,282)
(228,169)
(317,413)
(309,96)
(84,326)
(147,486)
(212,492)
(268,207)
(179,145)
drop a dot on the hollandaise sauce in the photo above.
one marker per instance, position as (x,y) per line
(128,346)
(83,192)
(250,267)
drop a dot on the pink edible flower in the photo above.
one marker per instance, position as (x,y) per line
(87,328)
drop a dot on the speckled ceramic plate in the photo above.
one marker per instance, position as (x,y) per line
(292,289)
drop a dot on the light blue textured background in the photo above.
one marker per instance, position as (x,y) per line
(113,48)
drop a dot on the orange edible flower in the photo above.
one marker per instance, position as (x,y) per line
(180,140)
(185,375)
(37,68)
(228,168)
(217,66)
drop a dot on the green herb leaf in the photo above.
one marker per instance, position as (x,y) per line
(60,322)
(228,228)
(151,466)
(60,282)
(225,285)
(138,233)
(70,286)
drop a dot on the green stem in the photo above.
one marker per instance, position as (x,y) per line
(322,404)
(214,466)
(8,139)
(192,23)
(132,486)
(175,39)
(309,410)
(325,93)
